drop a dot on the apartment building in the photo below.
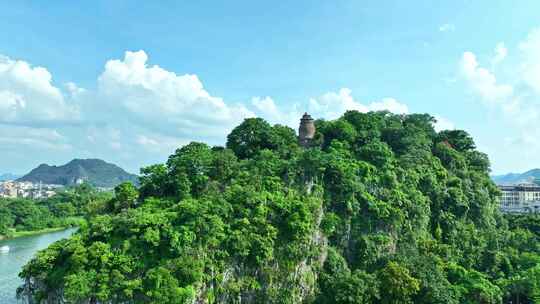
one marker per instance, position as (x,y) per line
(14,189)
(520,198)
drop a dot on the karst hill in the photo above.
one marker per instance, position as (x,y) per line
(369,208)
(93,171)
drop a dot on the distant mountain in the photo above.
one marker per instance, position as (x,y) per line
(516,178)
(94,171)
(8,176)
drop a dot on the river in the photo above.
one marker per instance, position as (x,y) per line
(21,251)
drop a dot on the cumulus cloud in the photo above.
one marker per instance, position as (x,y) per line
(443,124)
(517,102)
(267,107)
(10,105)
(447,27)
(329,105)
(164,100)
(138,113)
(500,53)
(73,90)
(530,66)
(156,143)
(28,96)
(484,84)
(13,137)
(482,81)
(389,104)
(332,104)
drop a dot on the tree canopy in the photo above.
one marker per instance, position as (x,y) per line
(381,209)
(66,208)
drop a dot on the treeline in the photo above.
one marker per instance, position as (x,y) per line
(66,208)
(381,209)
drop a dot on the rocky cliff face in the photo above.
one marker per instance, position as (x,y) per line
(297,282)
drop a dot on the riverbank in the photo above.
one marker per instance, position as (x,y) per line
(18,234)
(36,232)
(22,249)
(73,222)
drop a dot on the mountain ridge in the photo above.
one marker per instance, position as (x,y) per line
(95,171)
(516,178)
(8,176)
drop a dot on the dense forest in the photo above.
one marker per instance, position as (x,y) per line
(67,208)
(381,209)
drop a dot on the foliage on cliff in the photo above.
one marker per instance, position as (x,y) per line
(382,210)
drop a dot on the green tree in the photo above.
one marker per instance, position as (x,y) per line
(251,136)
(125,196)
(399,286)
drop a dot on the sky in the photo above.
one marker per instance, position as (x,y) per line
(129,82)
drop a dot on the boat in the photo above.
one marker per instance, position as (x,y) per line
(4,248)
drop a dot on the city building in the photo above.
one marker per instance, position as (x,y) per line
(15,189)
(521,198)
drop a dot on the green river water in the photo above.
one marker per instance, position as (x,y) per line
(21,251)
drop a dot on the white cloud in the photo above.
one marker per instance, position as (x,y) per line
(530,66)
(138,113)
(158,143)
(161,99)
(331,105)
(517,103)
(443,124)
(482,81)
(73,90)
(389,104)
(13,137)
(267,106)
(285,114)
(27,95)
(447,27)
(143,140)
(500,53)
(10,105)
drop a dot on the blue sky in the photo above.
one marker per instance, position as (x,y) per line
(195,69)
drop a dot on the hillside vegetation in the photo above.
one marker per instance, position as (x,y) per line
(382,209)
(95,172)
(66,208)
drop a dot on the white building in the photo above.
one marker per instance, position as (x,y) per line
(520,198)
(14,189)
